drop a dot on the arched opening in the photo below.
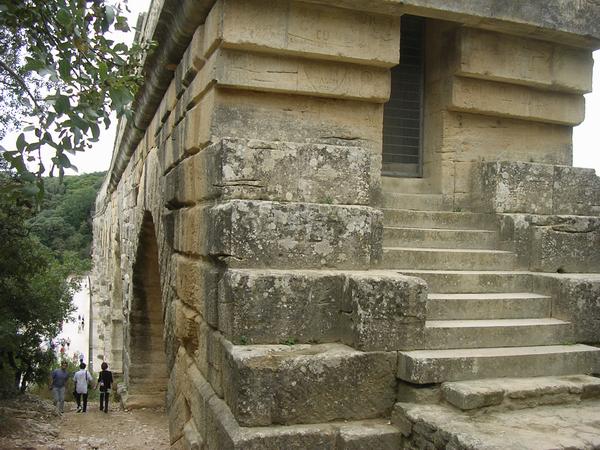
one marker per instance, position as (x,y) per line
(147,371)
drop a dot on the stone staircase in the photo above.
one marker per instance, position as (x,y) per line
(482,317)
(490,340)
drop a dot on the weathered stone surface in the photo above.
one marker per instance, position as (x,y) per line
(518,393)
(576,191)
(195,283)
(263,72)
(267,234)
(280,384)
(438,426)
(501,57)
(310,30)
(514,187)
(300,306)
(566,248)
(387,311)
(510,100)
(575,298)
(278,171)
(373,436)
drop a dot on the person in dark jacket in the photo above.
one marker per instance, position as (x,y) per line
(105,381)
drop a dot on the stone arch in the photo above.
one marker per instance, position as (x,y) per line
(145,362)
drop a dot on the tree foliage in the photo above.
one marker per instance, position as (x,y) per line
(35,292)
(64,223)
(63,73)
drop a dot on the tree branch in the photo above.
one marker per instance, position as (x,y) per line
(20,81)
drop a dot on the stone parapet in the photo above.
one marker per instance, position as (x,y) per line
(520,187)
(575,297)
(554,243)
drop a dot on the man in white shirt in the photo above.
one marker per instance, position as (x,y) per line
(82,378)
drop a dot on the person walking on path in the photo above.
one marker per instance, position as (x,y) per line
(105,381)
(82,378)
(58,383)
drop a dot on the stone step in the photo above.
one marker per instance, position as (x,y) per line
(439,238)
(300,384)
(473,281)
(438,366)
(138,401)
(438,219)
(447,259)
(417,202)
(504,305)
(517,393)
(407,185)
(461,334)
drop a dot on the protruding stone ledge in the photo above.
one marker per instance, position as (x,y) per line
(510,59)
(519,102)
(316,31)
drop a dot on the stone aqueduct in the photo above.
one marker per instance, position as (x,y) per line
(246,272)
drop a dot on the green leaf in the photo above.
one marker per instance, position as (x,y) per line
(95,130)
(21,142)
(64,69)
(63,17)
(120,96)
(62,104)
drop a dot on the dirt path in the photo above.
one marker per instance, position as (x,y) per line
(32,423)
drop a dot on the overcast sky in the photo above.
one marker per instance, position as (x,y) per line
(586,137)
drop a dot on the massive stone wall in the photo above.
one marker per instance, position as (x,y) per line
(240,215)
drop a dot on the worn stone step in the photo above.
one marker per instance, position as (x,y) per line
(447,259)
(439,238)
(438,366)
(474,281)
(417,202)
(504,305)
(279,384)
(517,393)
(445,334)
(441,426)
(438,219)
(138,401)
(407,185)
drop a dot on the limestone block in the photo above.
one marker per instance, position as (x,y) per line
(375,436)
(194,179)
(513,187)
(216,348)
(286,171)
(192,439)
(571,246)
(201,356)
(198,392)
(576,191)
(280,73)
(195,284)
(279,171)
(295,235)
(197,124)
(185,325)
(501,57)
(509,100)
(307,384)
(554,243)
(310,30)
(192,230)
(387,310)
(269,306)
